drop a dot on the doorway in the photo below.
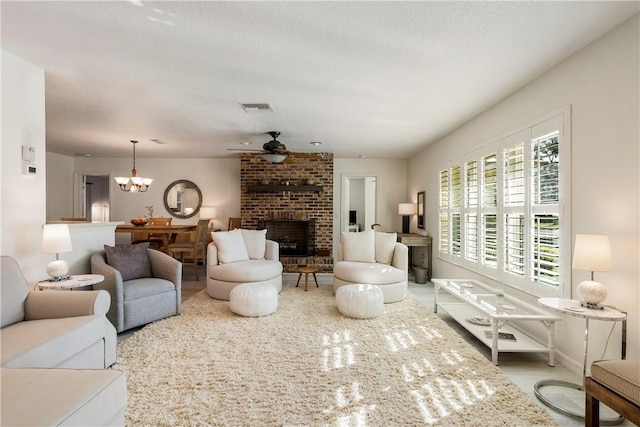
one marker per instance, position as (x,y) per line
(92,196)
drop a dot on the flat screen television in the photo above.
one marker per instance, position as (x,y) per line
(352,217)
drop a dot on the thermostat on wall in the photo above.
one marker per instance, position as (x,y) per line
(28,153)
(28,169)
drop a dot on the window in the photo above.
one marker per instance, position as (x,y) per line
(502,211)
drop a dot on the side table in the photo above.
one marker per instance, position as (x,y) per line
(75,281)
(306,271)
(571,307)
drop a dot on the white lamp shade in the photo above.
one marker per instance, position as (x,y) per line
(208,212)
(592,252)
(56,239)
(406,209)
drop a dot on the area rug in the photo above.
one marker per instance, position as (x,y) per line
(307,365)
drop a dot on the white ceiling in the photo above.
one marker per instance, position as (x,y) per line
(380,79)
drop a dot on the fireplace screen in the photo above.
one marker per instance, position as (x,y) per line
(296,238)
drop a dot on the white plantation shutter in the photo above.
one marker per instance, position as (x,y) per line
(502,208)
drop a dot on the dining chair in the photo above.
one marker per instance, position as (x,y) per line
(234,223)
(154,239)
(195,247)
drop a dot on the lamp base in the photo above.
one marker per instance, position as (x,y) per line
(405,223)
(591,293)
(58,270)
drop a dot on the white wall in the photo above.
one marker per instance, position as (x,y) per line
(391,184)
(59,186)
(22,209)
(601,83)
(218,180)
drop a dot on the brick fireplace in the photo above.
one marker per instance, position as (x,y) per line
(294,202)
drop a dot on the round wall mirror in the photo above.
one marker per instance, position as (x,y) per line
(182,199)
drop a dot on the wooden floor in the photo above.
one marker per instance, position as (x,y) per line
(524,369)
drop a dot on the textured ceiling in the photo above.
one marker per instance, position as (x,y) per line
(380,79)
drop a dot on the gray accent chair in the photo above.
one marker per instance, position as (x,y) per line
(140,301)
(53,329)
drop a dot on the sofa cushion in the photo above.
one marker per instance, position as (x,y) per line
(255,241)
(49,342)
(385,245)
(622,376)
(231,246)
(77,397)
(367,273)
(14,292)
(359,246)
(253,270)
(132,261)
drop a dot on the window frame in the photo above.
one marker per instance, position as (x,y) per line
(522,207)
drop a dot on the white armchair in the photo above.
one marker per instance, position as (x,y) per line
(373,258)
(241,256)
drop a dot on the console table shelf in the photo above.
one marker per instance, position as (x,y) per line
(473,299)
(278,188)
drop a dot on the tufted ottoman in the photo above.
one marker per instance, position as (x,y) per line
(360,301)
(253,299)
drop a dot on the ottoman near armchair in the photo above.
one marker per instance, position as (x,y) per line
(241,256)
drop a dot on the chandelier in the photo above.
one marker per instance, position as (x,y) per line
(135,183)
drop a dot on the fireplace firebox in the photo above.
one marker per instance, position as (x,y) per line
(295,237)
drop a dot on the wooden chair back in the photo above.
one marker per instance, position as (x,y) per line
(70,219)
(235,223)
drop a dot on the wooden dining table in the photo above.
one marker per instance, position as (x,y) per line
(168,232)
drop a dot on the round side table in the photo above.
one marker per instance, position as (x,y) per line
(306,271)
(571,307)
(75,281)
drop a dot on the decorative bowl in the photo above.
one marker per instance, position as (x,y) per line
(139,222)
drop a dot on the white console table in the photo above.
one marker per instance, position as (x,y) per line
(475,300)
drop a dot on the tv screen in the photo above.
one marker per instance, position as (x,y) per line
(352,217)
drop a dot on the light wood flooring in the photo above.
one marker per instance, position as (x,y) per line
(524,369)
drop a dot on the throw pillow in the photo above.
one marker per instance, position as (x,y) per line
(385,245)
(132,261)
(231,247)
(256,242)
(359,246)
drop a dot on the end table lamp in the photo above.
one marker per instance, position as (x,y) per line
(208,212)
(406,210)
(592,252)
(55,240)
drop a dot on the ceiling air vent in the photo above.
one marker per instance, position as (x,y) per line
(256,108)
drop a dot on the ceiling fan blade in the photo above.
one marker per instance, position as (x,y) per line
(288,160)
(316,156)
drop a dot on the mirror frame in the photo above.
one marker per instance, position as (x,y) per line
(188,184)
(420,211)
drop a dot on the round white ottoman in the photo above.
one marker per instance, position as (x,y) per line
(253,299)
(360,301)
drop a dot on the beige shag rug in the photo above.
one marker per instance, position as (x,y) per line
(307,365)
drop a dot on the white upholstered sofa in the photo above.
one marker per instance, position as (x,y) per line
(374,258)
(55,346)
(241,256)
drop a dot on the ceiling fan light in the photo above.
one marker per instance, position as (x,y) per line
(274,158)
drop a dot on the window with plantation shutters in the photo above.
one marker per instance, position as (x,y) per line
(502,211)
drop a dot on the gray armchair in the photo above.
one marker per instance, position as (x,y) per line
(143,300)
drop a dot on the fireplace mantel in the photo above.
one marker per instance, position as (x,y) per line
(278,188)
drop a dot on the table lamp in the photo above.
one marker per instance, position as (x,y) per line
(208,212)
(55,240)
(406,210)
(592,252)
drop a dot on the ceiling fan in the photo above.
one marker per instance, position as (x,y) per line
(276,152)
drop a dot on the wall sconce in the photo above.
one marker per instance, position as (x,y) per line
(592,252)
(406,210)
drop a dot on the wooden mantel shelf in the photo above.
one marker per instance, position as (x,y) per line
(277,188)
